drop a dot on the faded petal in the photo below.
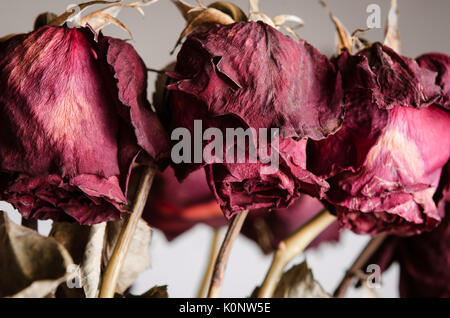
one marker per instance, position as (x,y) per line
(239,187)
(292,86)
(384,165)
(130,73)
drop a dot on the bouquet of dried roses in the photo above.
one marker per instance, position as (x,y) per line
(251,128)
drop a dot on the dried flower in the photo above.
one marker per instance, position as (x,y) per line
(75,117)
(384,165)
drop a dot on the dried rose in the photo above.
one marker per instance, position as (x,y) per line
(240,187)
(384,165)
(75,117)
(175,207)
(292,86)
(269,228)
(250,75)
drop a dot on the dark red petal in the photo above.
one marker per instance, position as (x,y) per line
(57,112)
(239,187)
(439,63)
(292,85)
(131,74)
(50,197)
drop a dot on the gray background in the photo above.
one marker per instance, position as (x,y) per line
(424,27)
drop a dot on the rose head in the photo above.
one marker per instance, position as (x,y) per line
(175,208)
(75,117)
(269,228)
(246,75)
(384,165)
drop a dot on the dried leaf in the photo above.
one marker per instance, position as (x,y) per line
(279,22)
(231,9)
(86,247)
(155,292)
(60,20)
(138,256)
(392,38)
(299,282)
(32,265)
(92,261)
(207,18)
(44,19)
(345,40)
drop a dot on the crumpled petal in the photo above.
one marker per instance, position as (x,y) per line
(49,197)
(424,262)
(175,207)
(130,73)
(62,131)
(387,158)
(291,86)
(269,228)
(439,63)
(247,186)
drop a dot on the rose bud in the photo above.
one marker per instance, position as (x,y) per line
(75,118)
(292,87)
(269,228)
(175,208)
(384,165)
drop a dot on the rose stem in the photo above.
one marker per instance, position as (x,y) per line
(209,269)
(360,261)
(112,272)
(291,247)
(222,258)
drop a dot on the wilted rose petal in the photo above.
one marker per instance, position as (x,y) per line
(439,63)
(292,86)
(384,165)
(248,186)
(64,143)
(175,208)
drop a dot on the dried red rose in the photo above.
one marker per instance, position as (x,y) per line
(256,73)
(269,228)
(175,208)
(250,75)
(384,165)
(74,119)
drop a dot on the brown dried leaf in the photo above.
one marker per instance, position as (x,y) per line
(279,22)
(33,266)
(60,20)
(392,38)
(230,9)
(204,20)
(85,243)
(299,282)
(138,256)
